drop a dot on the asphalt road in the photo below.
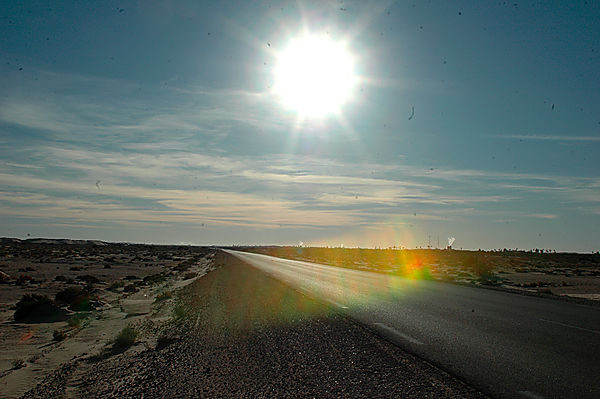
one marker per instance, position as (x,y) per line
(506,345)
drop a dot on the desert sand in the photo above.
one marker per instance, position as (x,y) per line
(123,281)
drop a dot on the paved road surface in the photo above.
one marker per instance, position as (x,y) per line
(506,345)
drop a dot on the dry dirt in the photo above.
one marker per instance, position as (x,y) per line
(223,330)
(238,333)
(29,351)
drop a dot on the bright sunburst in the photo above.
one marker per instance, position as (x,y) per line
(315,76)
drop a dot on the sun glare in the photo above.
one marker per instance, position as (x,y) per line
(314,76)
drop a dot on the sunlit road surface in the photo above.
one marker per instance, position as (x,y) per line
(506,345)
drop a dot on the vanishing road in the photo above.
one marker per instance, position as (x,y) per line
(506,345)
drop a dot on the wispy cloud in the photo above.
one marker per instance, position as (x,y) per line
(547,137)
(542,216)
(167,163)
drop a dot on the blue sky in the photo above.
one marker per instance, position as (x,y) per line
(156,122)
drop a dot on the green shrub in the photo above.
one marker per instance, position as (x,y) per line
(69,295)
(77,320)
(163,296)
(179,311)
(480,266)
(130,288)
(78,299)
(125,339)
(154,279)
(18,364)
(34,306)
(59,335)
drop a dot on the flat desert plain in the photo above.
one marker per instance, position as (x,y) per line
(571,276)
(96,290)
(78,315)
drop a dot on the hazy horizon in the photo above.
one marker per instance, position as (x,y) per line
(162,123)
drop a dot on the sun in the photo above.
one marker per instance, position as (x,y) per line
(314,76)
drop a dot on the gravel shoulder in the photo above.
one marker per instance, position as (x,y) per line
(237,332)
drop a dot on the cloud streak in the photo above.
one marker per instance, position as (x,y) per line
(548,138)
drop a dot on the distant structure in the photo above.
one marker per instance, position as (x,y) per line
(450,242)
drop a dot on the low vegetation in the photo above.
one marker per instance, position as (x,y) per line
(34,307)
(130,288)
(116,285)
(76,321)
(88,278)
(163,341)
(179,311)
(154,279)
(480,266)
(125,339)
(18,364)
(163,296)
(59,335)
(77,298)
(190,275)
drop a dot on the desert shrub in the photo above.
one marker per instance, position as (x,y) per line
(130,277)
(34,358)
(179,312)
(4,278)
(89,279)
(107,266)
(154,279)
(69,295)
(480,266)
(75,268)
(18,364)
(189,275)
(116,284)
(34,306)
(77,298)
(125,339)
(24,279)
(59,335)
(163,296)
(130,288)
(163,341)
(60,278)
(77,320)
(184,266)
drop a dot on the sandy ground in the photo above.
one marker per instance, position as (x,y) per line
(29,351)
(229,333)
(239,333)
